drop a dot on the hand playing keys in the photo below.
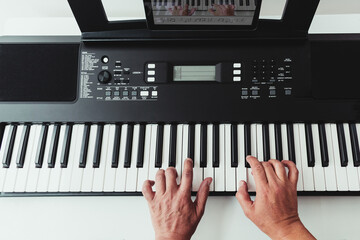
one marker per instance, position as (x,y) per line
(174,215)
(180,11)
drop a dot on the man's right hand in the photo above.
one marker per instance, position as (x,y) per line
(275,209)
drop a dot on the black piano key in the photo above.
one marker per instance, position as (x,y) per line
(247,142)
(355,145)
(323,146)
(278,142)
(232,2)
(140,153)
(2,130)
(23,146)
(234,146)
(206,3)
(187,2)
(66,148)
(291,143)
(241,2)
(98,145)
(128,148)
(247,2)
(221,2)
(198,3)
(172,152)
(309,145)
(159,146)
(203,146)
(192,2)
(266,143)
(84,146)
(7,159)
(216,160)
(191,141)
(342,145)
(41,147)
(54,146)
(115,156)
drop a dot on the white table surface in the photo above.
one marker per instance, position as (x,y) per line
(90,218)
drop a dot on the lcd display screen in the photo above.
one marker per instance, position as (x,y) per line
(194,73)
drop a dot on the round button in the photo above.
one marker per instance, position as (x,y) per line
(105,59)
(104,77)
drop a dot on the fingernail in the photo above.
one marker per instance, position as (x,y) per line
(242,183)
(209,181)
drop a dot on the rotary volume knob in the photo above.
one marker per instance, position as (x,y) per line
(104,77)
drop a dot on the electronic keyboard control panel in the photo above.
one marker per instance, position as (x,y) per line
(129,73)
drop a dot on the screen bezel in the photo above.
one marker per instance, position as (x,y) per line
(152,26)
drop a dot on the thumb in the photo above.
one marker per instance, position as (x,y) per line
(202,196)
(243,197)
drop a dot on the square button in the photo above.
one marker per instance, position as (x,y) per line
(255,92)
(237,79)
(237,72)
(154,93)
(151,66)
(244,92)
(151,73)
(125,93)
(151,79)
(144,93)
(237,65)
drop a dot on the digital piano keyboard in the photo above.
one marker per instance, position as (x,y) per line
(99,117)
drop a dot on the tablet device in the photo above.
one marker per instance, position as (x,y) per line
(202,14)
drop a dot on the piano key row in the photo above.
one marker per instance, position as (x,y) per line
(97,158)
(203,5)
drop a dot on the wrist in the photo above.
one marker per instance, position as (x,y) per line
(171,236)
(294,230)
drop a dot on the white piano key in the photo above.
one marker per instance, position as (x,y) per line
(319,171)
(88,174)
(284,140)
(3,152)
(153,141)
(99,173)
(307,172)
(55,175)
(298,156)
(44,173)
(77,172)
(33,175)
(22,175)
(179,156)
(230,172)
(250,178)
(260,145)
(272,141)
(220,171)
(121,172)
(330,173)
(197,171)
(241,169)
(352,173)
(341,172)
(166,147)
(185,142)
(65,180)
(209,170)
(131,178)
(10,180)
(110,172)
(143,173)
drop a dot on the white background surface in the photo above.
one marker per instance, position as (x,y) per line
(330,218)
